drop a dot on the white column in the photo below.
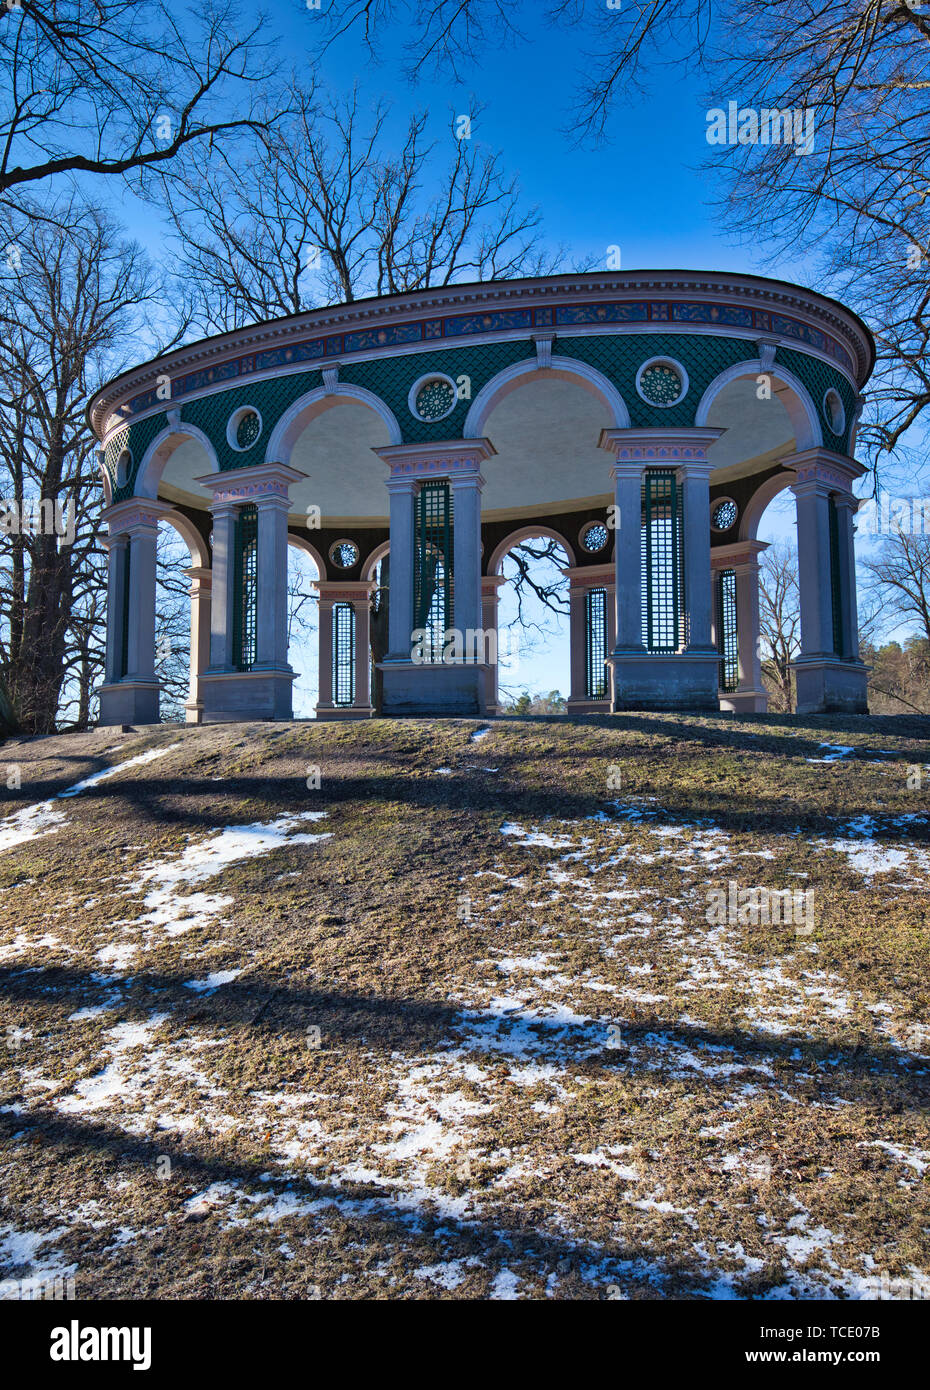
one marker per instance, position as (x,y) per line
(200,638)
(846,506)
(695,490)
(490,586)
(576,642)
(325,682)
(362,608)
(628,482)
(466,559)
(143,540)
(222,598)
(813,512)
(271,624)
(117,555)
(402,493)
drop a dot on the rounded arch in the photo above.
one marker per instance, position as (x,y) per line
(525,533)
(105,478)
(301,543)
(156,456)
(797,402)
(371,564)
(760,499)
(300,412)
(199,550)
(563,368)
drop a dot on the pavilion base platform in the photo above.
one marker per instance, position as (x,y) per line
(828,686)
(681,681)
(233,696)
(440,690)
(129,702)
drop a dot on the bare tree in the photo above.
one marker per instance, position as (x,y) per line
(324,209)
(121,86)
(71,295)
(899,576)
(779,621)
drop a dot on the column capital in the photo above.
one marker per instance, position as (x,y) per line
(737,554)
(834,471)
(582,577)
(344,591)
(261,484)
(659,448)
(459,481)
(135,514)
(199,576)
(444,459)
(490,583)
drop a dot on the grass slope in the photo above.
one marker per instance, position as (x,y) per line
(454,1021)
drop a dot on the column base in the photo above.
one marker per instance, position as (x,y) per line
(443,689)
(129,702)
(579,705)
(827,685)
(744,701)
(683,680)
(344,711)
(233,696)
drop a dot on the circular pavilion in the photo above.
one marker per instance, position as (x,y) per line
(644,420)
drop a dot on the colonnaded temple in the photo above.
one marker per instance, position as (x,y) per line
(642,420)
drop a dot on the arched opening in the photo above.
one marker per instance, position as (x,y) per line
(534,644)
(178,548)
(304,568)
(773,519)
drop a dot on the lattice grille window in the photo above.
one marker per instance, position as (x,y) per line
(343,654)
(595,644)
(836,594)
(662,567)
(433,577)
(245,611)
(727,644)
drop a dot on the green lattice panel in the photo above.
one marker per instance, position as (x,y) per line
(392,380)
(270,397)
(818,377)
(137,439)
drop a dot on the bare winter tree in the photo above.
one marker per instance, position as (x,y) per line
(857,192)
(71,293)
(121,86)
(325,209)
(779,621)
(899,576)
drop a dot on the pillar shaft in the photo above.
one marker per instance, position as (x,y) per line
(466,532)
(402,492)
(117,557)
(813,512)
(628,483)
(143,541)
(695,490)
(222,598)
(200,638)
(271,626)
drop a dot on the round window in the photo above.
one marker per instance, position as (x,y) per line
(244,427)
(123,468)
(661,383)
(724,514)
(433,398)
(594,537)
(833,409)
(344,554)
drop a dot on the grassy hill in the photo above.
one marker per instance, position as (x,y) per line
(414,1010)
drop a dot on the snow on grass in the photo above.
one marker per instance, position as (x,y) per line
(176,912)
(44,818)
(212,982)
(836,751)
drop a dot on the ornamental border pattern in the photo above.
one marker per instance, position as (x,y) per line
(317,350)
